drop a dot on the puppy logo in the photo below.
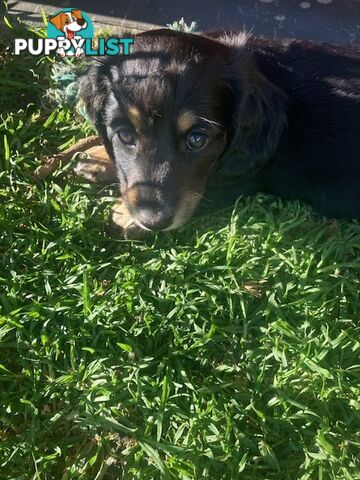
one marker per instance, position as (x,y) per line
(71,34)
(70,27)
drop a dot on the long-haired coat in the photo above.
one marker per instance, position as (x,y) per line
(189,119)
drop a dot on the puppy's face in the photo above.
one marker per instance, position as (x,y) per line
(166,113)
(163,155)
(165,122)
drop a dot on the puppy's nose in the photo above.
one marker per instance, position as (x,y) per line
(151,206)
(153,216)
(80,21)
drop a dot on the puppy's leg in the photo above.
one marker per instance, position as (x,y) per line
(49,165)
(96,166)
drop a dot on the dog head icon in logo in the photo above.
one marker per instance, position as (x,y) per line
(69,26)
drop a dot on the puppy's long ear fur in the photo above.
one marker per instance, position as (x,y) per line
(259,118)
(93,91)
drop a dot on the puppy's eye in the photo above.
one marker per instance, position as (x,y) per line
(127,136)
(196,140)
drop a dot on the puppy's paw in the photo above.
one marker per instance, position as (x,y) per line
(123,223)
(94,171)
(94,166)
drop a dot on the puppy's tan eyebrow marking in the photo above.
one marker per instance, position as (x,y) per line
(135,116)
(185,121)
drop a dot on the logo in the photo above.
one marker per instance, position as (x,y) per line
(70,33)
(69,27)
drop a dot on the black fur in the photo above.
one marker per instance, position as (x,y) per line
(290,111)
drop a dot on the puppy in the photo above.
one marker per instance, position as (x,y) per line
(205,118)
(69,23)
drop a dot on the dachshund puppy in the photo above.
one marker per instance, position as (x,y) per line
(191,119)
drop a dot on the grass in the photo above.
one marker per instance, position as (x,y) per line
(227,350)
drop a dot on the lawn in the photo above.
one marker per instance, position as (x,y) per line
(226,350)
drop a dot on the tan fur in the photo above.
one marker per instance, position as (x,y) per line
(135,117)
(185,121)
(96,166)
(98,152)
(123,221)
(187,205)
(131,196)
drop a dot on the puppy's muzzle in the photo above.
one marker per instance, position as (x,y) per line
(150,207)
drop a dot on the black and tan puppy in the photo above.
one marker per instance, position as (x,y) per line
(190,117)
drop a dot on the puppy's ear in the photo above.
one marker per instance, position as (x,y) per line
(93,89)
(58,20)
(258,120)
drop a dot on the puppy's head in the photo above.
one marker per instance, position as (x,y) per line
(168,113)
